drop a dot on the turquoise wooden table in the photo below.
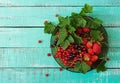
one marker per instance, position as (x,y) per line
(24,60)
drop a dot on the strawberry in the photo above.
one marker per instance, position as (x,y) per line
(89,63)
(86,57)
(86,30)
(79,31)
(94,58)
(96,48)
(89,45)
(90,51)
(85,40)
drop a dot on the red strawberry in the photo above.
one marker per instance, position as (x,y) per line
(86,30)
(79,31)
(89,63)
(96,48)
(89,45)
(90,51)
(94,58)
(85,40)
(86,57)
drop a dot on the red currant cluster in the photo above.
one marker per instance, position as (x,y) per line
(87,51)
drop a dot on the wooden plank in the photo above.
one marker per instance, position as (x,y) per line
(37,57)
(28,37)
(57,3)
(55,76)
(35,16)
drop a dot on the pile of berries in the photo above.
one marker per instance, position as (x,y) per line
(87,51)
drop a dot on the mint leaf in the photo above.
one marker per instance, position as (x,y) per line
(77,39)
(49,28)
(70,39)
(95,34)
(82,67)
(63,22)
(62,36)
(71,29)
(93,23)
(101,66)
(86,9)
(81,22)
(65,44)
(78,21)
(97,21)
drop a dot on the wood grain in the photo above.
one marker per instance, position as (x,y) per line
(35,16)
(37,57)
(28,37)
(55,76)
(58,3)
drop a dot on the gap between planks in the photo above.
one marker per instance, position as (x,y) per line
(41,68)
(106,26)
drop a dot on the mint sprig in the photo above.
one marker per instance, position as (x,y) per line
(81,66)
(49,28)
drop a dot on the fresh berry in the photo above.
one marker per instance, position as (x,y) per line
(57,32)
(89,63)
(39,41)
(48,54)
(86,57)
(56,15)
(86,30)
(68,33)
(79,31)
(89,45)
(85,40)
(96,48)
(94,58)
(90,51)
(107,59)
(60,69)
(47,75)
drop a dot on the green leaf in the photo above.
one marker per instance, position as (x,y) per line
(63,22)
(93,23)
(65,44)
(70,39)
(62,36)
(82,67)
(71,29)
(101,66)
(81,22)
(78,21)
(95,34)
(86,9)
(97,21)
(77,39)
(49,28)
